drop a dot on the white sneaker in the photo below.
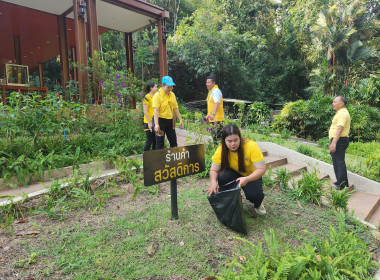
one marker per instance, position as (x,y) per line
(261,210)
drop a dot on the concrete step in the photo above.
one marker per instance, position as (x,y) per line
(293,169)
(375,218)
(274,161)
(363,204)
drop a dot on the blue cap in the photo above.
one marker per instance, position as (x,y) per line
(168,81)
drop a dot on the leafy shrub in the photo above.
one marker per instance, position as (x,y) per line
(282,178)
(258,112)
(365,123)
(291,117)
(367,91)
(310,187)
(303,149)
(312,118)
(364,149)
(324,142)
(210,150)
(339,199)
(341,255)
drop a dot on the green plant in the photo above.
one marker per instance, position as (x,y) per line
(209,152)
(310,186)
(324,142)
(282,178)
(28,261)
(267,178)
(258,112)
(339,198)
(339,255)
(306,150)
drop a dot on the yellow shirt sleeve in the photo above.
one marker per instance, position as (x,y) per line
(217,157)
(174,100)
(256,156)
(342,119)
(156,101)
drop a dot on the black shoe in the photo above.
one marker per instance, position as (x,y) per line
(339,188)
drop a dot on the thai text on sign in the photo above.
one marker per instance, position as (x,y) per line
(169,164)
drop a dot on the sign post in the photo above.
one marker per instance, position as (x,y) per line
(173,198)
(169,164)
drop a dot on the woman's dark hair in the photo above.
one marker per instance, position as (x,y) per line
(148,86)
(228,130)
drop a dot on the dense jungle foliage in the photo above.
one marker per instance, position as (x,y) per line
(270,51)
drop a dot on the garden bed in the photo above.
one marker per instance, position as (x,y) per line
(123,238)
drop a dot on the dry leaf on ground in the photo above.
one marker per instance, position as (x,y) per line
(27,232)
(151,250)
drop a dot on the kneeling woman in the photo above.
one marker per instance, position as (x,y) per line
(238,159)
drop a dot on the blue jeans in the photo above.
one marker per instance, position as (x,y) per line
(253,190)
(338,159)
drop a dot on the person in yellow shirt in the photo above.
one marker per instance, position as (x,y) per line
(338,135)
(165,108)
(215,111)
(150,89)
(241,160)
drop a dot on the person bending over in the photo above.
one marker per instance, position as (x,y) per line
(241,160)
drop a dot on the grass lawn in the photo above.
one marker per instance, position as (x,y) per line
(127,239)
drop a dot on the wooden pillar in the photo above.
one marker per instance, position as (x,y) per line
(93,34)
(162,53)
(63,52)
(129,52)
(81,50)
(73,59)
(93,31)
(41,74)
(17,49)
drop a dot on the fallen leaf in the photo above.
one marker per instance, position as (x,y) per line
(28,232)
(97,261)
(22,221)
(318,258)
(6,248)
(296,213)
(208,278)
(242,258)
(151,250)
(175,277)
(129,233)
(118,207)
(2,260)
(299,204)
(181,243)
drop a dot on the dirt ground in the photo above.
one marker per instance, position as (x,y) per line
(33,232)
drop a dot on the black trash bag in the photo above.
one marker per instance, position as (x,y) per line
(228,208)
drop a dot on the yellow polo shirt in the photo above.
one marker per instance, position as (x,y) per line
(165,104)
(252,155)
(219,116)
(148,101)
(341,118)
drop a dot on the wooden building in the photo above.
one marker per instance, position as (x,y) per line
(35,31)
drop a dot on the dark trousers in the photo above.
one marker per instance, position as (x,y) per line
(166,125)
(253,190)
(150,138)
(338,159)
(216,131)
